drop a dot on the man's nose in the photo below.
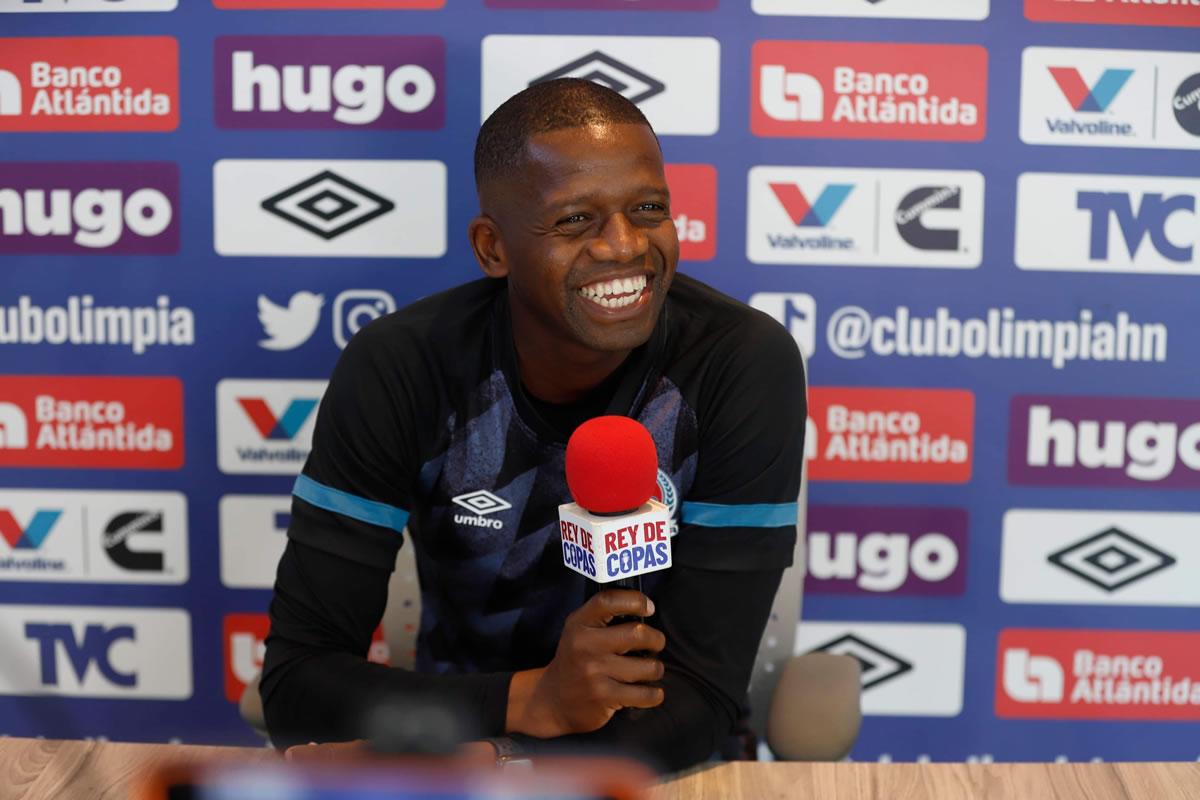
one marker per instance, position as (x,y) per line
(619,241)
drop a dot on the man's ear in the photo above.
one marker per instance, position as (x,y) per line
(488,247)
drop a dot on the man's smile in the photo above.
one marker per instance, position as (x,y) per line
(615,293)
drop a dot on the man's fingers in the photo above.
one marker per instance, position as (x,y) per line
(636,695)
(610,603)
(629,669)
(637,636)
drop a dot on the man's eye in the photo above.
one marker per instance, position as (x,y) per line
(655,207)
(574,219)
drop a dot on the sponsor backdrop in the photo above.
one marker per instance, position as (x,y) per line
(978,219)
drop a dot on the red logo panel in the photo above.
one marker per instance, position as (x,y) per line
(91,423)
(245,637)
(694,208)
(1081,674)
(102,83)
(890,435)
(1179,15)
(861,90)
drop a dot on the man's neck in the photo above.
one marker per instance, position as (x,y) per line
(557,374)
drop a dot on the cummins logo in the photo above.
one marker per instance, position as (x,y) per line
(910,217)
(134,523)
(1185,104)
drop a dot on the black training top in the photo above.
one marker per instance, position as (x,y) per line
(425,425)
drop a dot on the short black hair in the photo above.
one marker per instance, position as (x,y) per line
(544,107)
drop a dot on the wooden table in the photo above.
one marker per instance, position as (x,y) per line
(35,769)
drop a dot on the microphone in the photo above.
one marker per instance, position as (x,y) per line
(615,531)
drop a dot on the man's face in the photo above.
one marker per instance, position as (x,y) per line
(588,236)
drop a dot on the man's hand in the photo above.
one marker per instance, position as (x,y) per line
(592,676)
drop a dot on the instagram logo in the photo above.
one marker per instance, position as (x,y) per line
(354,308)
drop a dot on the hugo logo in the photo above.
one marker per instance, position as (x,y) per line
(92,218)
(881,562)
(355,93)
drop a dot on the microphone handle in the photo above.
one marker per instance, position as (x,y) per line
(634,583)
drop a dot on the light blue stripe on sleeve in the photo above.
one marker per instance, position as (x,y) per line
(752,515)
(349,505)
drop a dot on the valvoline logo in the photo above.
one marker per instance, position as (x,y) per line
(1095,98)
(286,425)
(31,536)
(807,214)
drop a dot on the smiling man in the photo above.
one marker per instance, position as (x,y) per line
(449,419)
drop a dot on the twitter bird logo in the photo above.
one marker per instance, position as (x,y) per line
(289,327)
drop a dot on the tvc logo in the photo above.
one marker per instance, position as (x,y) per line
(253,537)
(1150,219)
(1111,223)
(1032,679)
(93,651)
(94,648)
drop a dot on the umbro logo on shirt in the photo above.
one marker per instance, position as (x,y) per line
(480,502)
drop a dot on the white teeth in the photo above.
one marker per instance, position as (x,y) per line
(616,293)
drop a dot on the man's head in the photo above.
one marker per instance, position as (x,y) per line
(575,213)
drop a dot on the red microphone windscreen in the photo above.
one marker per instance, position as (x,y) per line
(612,465)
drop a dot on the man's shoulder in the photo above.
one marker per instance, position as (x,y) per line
(702,316)
(441,322)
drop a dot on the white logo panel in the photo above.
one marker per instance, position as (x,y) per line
(1108,98)
(93,536)
(793,310)
(865,217)
(1100,558)
(265,426)
(1108,223)
(329,208)
(90,651)
(80,6)
(917,9)
(674,80)
(253,537)
(909,669)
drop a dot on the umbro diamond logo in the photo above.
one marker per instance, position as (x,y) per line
(598,67)
(878,665)
(1111,559)
(482,502)
(328,205)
